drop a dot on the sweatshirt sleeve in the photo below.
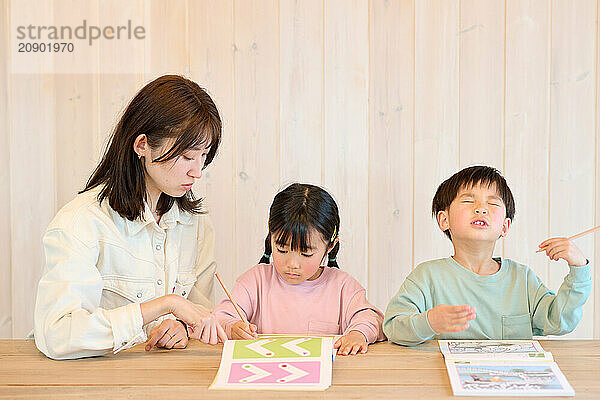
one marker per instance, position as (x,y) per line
(68,322)
(362,316)
(225,311)
(405,319)
(558,314)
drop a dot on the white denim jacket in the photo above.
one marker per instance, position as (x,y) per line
(100,267)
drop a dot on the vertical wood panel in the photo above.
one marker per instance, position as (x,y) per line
(527,129)
(256,123)
(346,149)
(572,133)
(115,90)
(167,48)
(5,154)
(481,83)
(32,175)
(76,106)
(301,77)
(436,118)
(391,112)
(211,66)
(596,261)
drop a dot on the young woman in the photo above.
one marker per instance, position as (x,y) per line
(132,254)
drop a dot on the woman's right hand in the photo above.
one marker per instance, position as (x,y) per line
(201,324)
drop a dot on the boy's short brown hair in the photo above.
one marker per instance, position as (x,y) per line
(469,177)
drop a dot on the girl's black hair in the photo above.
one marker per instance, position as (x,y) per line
(295,211)
(170,107)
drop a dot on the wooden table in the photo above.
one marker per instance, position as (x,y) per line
(387,371)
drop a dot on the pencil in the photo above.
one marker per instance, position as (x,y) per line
(231,299)
(578,235)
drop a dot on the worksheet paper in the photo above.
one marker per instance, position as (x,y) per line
(279,363)
(500,350)
(509,378)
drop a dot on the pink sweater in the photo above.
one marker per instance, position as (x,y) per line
(333,304)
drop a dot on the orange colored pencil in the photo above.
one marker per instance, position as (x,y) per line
(578,235)
(237,308)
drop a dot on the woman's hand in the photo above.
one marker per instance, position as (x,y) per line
(170,334)
(208,330)
(201,324)
(351,343)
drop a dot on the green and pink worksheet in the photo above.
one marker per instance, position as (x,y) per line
(279,362)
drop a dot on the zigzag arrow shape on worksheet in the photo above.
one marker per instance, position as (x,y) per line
(294,373)
(258,373)
(258,347)
(293,346)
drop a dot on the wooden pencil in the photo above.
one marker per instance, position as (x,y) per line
(231,299)
(578,235)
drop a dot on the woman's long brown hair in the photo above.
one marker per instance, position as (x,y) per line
(168,107)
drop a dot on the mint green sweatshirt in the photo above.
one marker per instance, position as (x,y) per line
(513,303)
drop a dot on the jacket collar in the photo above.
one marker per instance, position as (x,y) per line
(168,220)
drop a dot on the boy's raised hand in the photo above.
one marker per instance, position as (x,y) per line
(557,248)
(352,343)
(243,331)
(447,319)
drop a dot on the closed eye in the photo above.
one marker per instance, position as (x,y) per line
(281,250)
(308,255)
(188,158)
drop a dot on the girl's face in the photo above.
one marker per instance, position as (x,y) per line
(174,177)
(295,266)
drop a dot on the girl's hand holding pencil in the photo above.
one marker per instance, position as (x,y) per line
(243,330)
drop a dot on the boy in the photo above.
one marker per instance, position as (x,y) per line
(474,296)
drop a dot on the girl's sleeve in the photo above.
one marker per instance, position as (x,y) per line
(225,311)
(558,314)
(203,291)
(406,316)
(359,314)
(68,322)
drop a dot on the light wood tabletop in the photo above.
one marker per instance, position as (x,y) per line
(387,371)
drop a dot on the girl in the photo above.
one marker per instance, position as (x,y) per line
(295,294)
(135,243)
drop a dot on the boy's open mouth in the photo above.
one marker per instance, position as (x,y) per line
(480,223)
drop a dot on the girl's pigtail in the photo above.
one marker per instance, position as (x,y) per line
(332,256)
(266,258)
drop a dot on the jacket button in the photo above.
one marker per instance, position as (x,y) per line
(183,293)
(139,295)
(159,281)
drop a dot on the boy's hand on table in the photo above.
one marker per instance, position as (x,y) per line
(557,248)
(351,343)
(448,319)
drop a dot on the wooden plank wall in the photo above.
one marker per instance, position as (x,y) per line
(376,100)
